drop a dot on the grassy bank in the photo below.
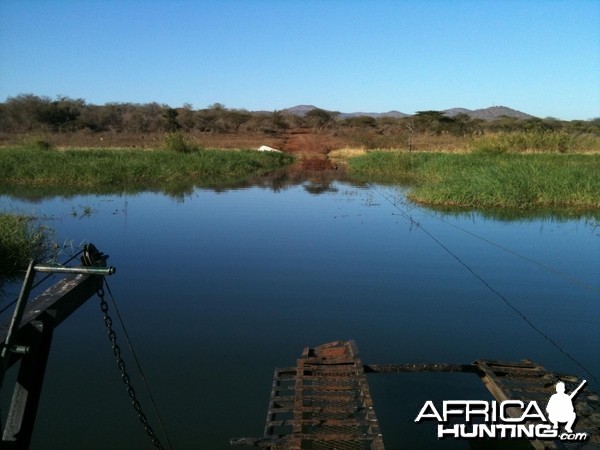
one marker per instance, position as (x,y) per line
(488,179)
(21,240)
(536,142)
(103,170)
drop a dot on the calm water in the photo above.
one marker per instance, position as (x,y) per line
(218,289)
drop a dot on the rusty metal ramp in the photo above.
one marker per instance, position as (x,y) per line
(322,403)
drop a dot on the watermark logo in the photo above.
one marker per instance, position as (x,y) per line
(510,419)
(560,407)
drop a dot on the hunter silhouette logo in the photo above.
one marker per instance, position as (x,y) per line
(508,419)
(560,407)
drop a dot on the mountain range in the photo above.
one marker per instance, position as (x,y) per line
(490,113)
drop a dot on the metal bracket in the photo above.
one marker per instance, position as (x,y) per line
(35,336)
(86,270)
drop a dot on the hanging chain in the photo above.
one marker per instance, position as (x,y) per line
(124,375)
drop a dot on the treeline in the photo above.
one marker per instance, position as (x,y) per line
(31,113)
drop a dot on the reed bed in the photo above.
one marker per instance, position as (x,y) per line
(537,142)
(21,239)
(485,180)
(130,168)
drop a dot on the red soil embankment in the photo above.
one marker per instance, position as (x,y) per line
(311,149)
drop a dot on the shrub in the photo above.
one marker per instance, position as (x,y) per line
(37,143)
(175,142)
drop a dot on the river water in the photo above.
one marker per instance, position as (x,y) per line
(217,288)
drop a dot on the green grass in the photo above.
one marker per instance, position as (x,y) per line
(21,239)
(537,141)
(487,180)
(114,170)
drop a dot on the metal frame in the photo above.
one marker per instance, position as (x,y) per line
(324,402)
(28,337)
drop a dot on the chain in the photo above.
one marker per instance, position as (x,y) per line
(124,375)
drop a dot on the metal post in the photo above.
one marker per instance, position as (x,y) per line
(20,420)
(17,315)
(35,338)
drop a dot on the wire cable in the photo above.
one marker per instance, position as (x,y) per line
(488,285)
(565,275)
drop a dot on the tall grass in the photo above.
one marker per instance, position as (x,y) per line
(537,141)
(110,170)
(176,142)
(489,180)
(21,240)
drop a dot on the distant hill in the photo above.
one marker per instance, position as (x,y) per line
(456,111)
(393,113)
(301,110)
(490,113)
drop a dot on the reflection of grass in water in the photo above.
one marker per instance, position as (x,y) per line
(489,180)
(124,170)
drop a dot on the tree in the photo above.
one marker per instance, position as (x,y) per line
(361,122)
(61,114)
(461,125)
(429,121)
(505,123)
(279,121)
(144,118)
(233,119)
(187,117)
(319,118)
(22,113)
(217,118)
(170,115)
(213,119)
(108,117)
(410,128)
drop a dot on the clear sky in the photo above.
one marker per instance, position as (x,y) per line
(541,57)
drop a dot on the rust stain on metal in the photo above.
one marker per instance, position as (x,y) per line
(322,403)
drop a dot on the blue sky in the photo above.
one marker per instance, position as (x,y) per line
(540,57)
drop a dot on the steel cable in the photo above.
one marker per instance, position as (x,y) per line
(486,284)
(571,278)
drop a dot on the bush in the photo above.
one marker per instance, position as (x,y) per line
(175,142)
(37,143)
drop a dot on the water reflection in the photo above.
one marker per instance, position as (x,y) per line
(313,181)
(316,181)
(220,286)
